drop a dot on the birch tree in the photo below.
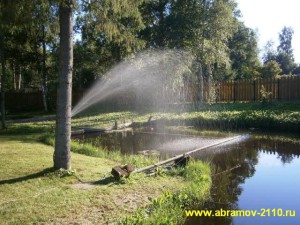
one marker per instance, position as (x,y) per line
(62,155)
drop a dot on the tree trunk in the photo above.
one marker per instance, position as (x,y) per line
(20,79)
(44,80)
(3,77)
(13,68)
(200,80)
(3,123)
(62,153)
(208,75)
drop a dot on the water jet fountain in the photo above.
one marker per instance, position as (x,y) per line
(153,79)
(149,78)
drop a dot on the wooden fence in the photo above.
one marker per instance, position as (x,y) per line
(285,88)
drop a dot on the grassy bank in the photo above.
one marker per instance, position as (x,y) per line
(267,116)
(169,208)
(31,192)
(88,149)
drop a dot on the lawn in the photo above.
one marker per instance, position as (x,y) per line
(31,192)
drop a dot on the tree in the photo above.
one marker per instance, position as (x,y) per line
(43,32)
(12,20)
(286,63)
(269,52)
(156,16)
(244,53)
(297,70)
(3,77)
(285,38)
(271,69)
(62,153)
(203,27)
(109,32)
(285,56)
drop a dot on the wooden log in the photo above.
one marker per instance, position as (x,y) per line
(87,129)
(84,130)
(141,124)
(184,155)
(77,132)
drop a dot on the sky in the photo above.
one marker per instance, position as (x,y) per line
(268,17)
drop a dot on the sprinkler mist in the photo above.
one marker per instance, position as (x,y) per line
(152,77)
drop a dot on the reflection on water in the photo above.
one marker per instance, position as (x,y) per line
(165,143)
(267,177)
(249,175)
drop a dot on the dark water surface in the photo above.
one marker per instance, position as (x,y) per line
(267,179)
(164,143)
(250,174)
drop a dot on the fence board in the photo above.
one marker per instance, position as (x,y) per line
(285,88)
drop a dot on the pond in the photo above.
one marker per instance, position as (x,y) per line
(249,174)
(256,174)
(164,143)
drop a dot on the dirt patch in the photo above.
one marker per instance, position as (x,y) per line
(109,204)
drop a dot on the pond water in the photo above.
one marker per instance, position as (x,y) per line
(249,174)
(164,143)
(266,178)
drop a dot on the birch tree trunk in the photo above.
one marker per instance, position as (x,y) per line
(62,155)
(20,78)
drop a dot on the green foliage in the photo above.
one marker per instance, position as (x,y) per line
(286,62)
(64,173)
(265,95)
(269,52)
(284,55)
(285,38)
(271,69)
(114,30)
(169,208)
(244,53)
(297,70)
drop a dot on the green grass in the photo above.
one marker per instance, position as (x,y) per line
(31,192)
(88,149)
(268,116)
(169,208)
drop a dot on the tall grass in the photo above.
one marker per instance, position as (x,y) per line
(91,150)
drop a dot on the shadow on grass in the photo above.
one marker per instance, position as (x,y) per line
(27,177)
(105,181)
